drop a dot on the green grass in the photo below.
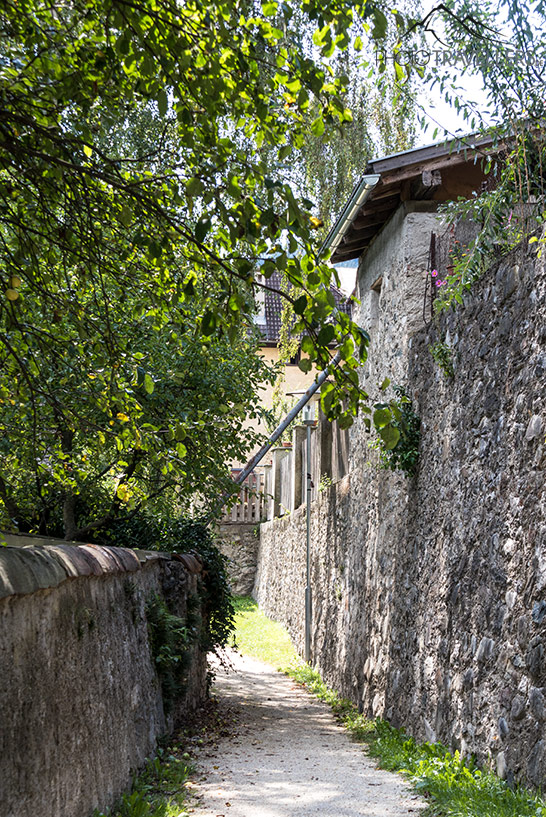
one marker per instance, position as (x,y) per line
(453,786)
(260,637)
(158,791)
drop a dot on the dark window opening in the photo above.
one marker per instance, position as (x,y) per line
(295,359)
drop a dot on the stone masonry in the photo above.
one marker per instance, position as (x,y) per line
(238,541)
(80,696)
(429,594)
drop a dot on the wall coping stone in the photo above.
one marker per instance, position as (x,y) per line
(30,563)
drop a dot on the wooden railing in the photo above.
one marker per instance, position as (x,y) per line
(280,485)
(250,504)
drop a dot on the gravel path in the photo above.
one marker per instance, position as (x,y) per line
(289,757)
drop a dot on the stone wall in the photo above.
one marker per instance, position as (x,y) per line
(429,603)
(79,693)
(239,542)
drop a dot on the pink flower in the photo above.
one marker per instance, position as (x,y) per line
(434,273)
(440,283)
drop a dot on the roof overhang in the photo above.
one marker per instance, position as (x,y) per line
(439,172)
(359,195)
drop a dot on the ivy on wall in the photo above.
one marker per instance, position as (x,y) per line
(398,431)
(185,535)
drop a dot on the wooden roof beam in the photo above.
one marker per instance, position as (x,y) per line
(364,222)
(414,171)
(356,236)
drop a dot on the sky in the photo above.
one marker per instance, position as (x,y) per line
(439,113)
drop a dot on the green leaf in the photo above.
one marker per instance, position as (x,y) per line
(148,384)
(318,126)
(305,365)
(201,229)
(345,421)
(399,71)
(382,417)
(162,102)
(300,305)
(126,215)
(327,395)
(208,324)
(380,27)
(194,187)
(269,9)
(326,335)
(390,437)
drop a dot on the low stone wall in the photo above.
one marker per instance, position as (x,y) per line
(79,693)
(429,603)
(239,542)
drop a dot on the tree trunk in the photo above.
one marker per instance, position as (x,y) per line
(69,516)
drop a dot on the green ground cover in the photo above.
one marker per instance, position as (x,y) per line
(159,790)
(454,786)
(260,637)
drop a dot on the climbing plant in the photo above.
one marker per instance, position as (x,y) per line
(398,438)
(502,44)
(443,354)
(170,639)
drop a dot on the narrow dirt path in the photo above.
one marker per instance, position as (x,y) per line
(289,757)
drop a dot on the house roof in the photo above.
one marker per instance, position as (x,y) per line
(271,329)
(439,172)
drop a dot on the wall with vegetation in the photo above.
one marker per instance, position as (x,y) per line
(429,603)
(83,633)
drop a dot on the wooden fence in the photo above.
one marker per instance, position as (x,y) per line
(250,504)
(280,486)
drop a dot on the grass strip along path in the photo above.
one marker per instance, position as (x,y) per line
(453,786)
(288,756)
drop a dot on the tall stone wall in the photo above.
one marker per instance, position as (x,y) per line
(80,696)
(429,603)
(238,541)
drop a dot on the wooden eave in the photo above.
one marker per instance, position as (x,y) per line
(434,173)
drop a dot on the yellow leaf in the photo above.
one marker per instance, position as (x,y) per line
(124,493)
(12,294)
(316,222)
(87,150)
(123,417)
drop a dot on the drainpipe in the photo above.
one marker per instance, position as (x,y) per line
(258,457)
(308,589)
(292,414)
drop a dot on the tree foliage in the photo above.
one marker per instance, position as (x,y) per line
(135,204)
(502,43)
